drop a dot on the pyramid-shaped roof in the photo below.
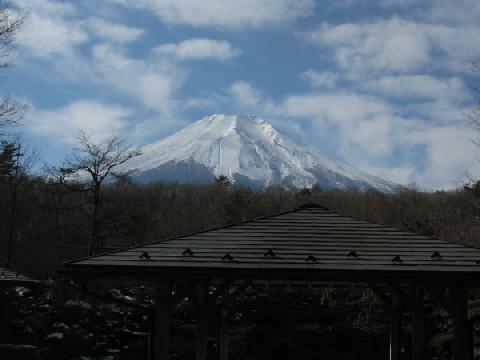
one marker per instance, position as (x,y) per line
(310,238)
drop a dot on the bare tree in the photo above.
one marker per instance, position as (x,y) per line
(473,117)
(473,113)
(10,23)
(88,168)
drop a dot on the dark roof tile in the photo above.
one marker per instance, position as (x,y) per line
(309,232)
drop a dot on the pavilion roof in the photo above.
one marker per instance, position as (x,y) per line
(310,238)
(12,278)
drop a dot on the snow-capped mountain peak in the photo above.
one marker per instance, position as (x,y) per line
(248,150)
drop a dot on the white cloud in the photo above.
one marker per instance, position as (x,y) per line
(394,44)
(101,121)
(58,34)
(371,133)
(419,86)
(245,95)
(210,102)
(431,11)
(451,154)
(224,13)
(116,33)
(199,49)
(45,7)
(335,107)
(323,79)
(397,142)
(363,121)
(152,83)
(54,29)
(398,45)
(439,111)
(458,11)
(152,129)
(398,175)
(49,32)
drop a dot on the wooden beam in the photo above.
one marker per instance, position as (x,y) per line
(395,328)
(151,334)
(436,293)
(162,319)
(222,333)
(202,320)
(460,322)
(419,325)
(3,322)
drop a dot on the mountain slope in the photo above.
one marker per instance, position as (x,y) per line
(249,151)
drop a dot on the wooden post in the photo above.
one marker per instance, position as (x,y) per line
(471,337)
(418,325)
(3,323)
(162,319)
(395,327)
(151,335)
(460,322)
(202,321)
(222,335)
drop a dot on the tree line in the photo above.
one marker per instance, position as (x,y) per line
(86,202)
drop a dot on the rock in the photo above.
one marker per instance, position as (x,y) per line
(78,304)
(19,352)
(56,335)
(60,326)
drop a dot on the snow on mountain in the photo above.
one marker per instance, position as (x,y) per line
(249,151)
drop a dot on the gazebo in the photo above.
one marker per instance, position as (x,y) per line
(308,245)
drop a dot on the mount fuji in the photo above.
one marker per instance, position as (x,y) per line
(249,151)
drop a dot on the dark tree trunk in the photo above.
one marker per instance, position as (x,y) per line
(94,245)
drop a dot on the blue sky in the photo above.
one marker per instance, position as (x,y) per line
(380,85)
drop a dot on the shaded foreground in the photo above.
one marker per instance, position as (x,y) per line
(273,323)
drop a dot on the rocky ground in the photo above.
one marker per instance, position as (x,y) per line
(278,325)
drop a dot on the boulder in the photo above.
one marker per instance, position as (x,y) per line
(19,352)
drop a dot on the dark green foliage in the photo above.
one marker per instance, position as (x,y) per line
(133,213)
(223,180)
(9,151)
(473,188)
(15,203)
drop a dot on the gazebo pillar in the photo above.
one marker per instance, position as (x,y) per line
(460,322)
(3,322)
(418,324)
(395,327)
(222,334)
(202,321)
(162,319)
